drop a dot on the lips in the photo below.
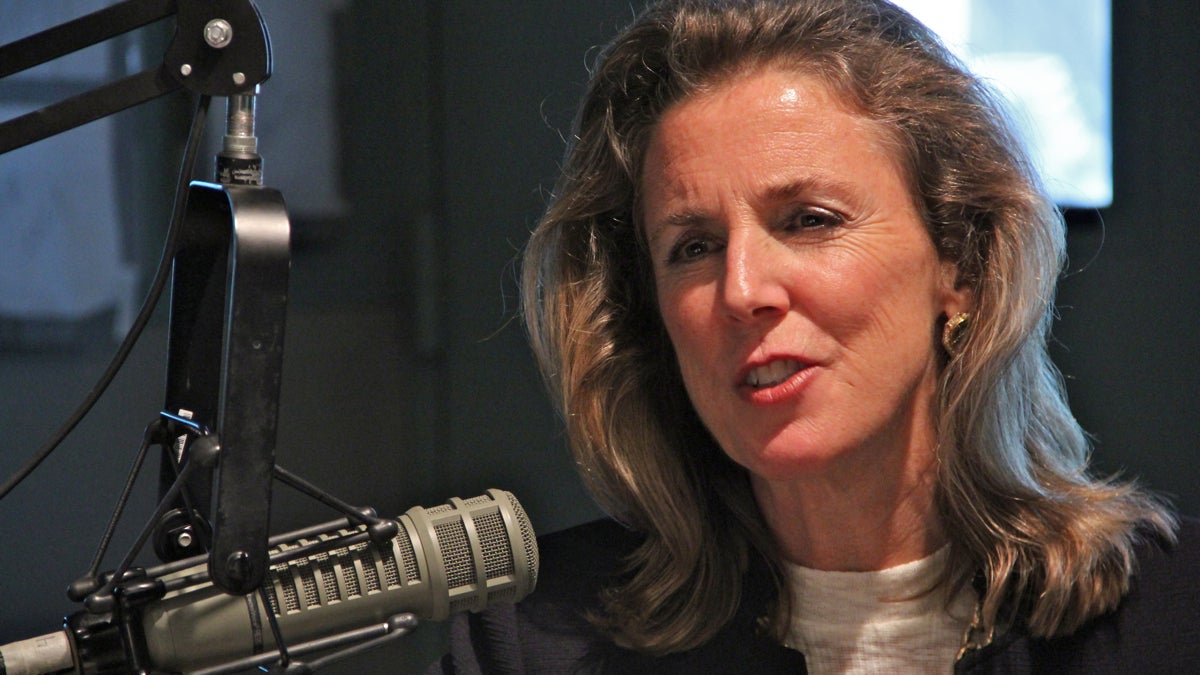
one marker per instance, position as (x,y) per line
(773,373)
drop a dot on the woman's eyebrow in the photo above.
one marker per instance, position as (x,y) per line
(685,218)
(809,185)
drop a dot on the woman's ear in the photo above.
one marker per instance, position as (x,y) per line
(957,297)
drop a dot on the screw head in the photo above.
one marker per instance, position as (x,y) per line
(218,33)
(185,69)
(239,78)
(238,566)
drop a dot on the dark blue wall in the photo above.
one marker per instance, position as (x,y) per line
(407,379)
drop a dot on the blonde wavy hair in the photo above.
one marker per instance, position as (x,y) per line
(1054,545)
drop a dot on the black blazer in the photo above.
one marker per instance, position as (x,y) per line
(1156,629)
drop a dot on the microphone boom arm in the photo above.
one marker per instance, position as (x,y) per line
(228,306)
(202,57)
(235,251)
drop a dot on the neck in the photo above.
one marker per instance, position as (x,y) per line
(873,512)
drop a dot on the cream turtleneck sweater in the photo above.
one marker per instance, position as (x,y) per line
(878,622)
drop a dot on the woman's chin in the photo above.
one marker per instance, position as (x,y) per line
(791,463)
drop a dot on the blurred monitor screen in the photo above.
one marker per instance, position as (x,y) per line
(1051,60)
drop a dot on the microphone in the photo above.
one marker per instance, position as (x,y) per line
(461,556)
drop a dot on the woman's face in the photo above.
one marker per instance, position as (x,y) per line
(799,287)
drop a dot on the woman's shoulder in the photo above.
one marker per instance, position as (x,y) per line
(576,564)
(1156,627)
(549,631)
(1166,582)
(1157,624)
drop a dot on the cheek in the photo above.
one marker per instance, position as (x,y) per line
(675,307)
(843,294)
(887,290)
(687,317)
(681,316)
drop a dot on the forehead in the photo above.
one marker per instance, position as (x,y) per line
(778,89)
(770,119)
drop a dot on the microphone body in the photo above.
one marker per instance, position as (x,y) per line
(46,654)
(463,555)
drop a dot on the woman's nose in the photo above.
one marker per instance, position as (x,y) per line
(754,283)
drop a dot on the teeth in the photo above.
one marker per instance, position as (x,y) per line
(773,373)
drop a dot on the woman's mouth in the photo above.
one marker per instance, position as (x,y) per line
(773,373)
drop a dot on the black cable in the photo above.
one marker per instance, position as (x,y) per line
(148,305)
(308,489)
(284,658)
(118,574)
(111,528)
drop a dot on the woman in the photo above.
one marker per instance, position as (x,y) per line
(792,296)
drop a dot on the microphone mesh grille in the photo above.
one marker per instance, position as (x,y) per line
(452,540)
(328,580)
(528,538)
(361,569)
(408,561)
(366,552)
(309,583)
(493,539)
(350,578)
(291,599)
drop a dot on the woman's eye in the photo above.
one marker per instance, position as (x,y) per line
(812,219)
(691,249)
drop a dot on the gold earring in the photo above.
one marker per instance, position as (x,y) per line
(955,331)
